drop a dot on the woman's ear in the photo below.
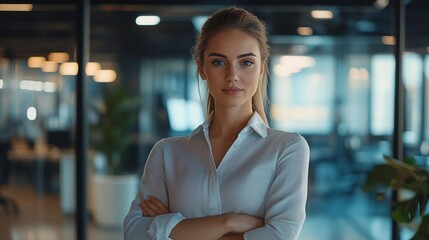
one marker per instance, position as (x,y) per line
(200,70)
(202,74)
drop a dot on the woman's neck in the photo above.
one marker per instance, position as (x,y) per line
(227,122)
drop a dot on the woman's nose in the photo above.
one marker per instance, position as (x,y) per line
(232,74)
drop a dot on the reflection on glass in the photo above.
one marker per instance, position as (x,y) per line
(302,93)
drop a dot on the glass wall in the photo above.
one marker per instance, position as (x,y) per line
(334,85)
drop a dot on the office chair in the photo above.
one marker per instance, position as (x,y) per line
(6,203)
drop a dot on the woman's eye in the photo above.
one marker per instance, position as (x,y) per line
(218,63)
(247,63)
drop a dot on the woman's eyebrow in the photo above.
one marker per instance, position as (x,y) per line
(246,55)
(217,55)
(239,56)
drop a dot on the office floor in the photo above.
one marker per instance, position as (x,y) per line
(335,217)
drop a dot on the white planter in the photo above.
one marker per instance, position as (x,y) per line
(111,198)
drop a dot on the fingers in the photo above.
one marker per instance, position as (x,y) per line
(164,209)
(153,207)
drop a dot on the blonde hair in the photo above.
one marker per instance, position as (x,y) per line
(236,18)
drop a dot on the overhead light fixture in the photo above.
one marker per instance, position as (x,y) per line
(31,113)
(1,83)
(36,62)
(380,4)
(49,86)
(388,40)
(305,31)
(37,86)
(322,14)
(147,20)
(16,7)
(58,57)
(105,75)
(92,68)
(50,66)
(31,85)
(69,68)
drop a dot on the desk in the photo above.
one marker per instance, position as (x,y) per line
(41,161)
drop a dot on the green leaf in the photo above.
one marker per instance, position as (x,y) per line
(422,232)
(380,175)
(405,211)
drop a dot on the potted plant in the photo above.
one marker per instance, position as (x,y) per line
(113,188)
(412,182)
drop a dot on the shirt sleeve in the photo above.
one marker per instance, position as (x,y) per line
(286,200)
(138,227)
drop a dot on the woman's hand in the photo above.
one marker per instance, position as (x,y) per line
(152,207)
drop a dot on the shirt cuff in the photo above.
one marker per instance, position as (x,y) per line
(162,225)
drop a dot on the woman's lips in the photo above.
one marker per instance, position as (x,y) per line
(232,90)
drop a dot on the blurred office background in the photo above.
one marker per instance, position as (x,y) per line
(331,80)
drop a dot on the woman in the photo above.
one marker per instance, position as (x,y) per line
(233,177)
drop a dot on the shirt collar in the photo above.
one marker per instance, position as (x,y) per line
(255,122)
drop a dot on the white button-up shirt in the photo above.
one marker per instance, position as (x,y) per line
(263,174)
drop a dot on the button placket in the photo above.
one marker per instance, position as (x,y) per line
(214,191)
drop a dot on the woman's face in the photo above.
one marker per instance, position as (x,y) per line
(232,67)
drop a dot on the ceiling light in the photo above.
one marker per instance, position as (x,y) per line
(147,20)
(305,31)
(49,86)
(322,14)
(388,40)
(31,113)
(105,76)
(36,62)
(92,68)
(50,66)
(69,68)
(31,85)
(1,83)
(380,4)
(58,57)
(16,7)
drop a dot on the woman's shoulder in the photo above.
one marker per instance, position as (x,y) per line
(292,136)
(288,138)
(168,141)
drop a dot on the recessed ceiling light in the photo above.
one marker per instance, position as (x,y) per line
(380,4)
(58,57)
(69,68)
(91,68)
(147,20)
(322,14)
(105,75)
(305,31)
(388,40)
(50,66)
(16,7)
(36,62)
